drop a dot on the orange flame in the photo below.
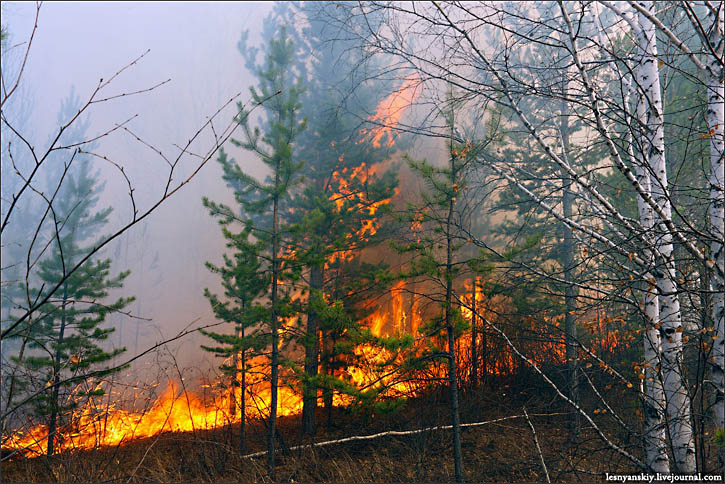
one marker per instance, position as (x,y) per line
(356,199)
(173,411)
(180,411)
(391,110)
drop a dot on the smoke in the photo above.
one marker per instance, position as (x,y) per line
(195,46)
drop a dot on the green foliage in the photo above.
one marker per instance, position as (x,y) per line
(343,197)
(341,206)
(259,259)
(64,341)
(718,437)
(343,334)
(439,251)
(390,406)
(243,282)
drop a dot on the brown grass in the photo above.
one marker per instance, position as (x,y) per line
(500,452)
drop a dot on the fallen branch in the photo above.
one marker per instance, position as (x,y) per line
(398,433)
(538,448)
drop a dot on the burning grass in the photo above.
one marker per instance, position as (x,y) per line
(186,436)
(500,451)
(178,410)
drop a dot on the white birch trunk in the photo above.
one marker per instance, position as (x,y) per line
(654,399)
(655,438)
(655,442)
(675,389)
(715,121)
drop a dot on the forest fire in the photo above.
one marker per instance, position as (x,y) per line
(351,196)
(391,110)
(182,410)
(175,410)
(178,409)
(375,242)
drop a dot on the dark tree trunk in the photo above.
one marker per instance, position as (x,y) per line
(54,410)
(309,400)
(243,395)
(474,336)
(275,339)
(452,370)
(484,353)
(570,292)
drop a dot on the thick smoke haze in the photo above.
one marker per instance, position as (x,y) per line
(195,46)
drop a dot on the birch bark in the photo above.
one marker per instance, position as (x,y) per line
(716,118)
(654,398)
(670,326)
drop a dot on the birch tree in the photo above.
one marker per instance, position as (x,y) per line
(715,80)
(670,318)
(711,68)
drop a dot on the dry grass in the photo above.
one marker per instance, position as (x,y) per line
(500,452)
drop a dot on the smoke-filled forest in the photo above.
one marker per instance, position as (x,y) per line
(362,241)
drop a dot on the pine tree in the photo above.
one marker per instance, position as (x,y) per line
(438,257)
(62,348)
(244,283)
(265,205)
(341,209)
(66,337)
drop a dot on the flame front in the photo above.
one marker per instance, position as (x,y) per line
(175,410)
(180,410)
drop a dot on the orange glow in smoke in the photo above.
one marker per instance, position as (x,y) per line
(391,110)
(350,195)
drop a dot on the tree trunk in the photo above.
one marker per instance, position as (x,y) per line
(654,401)
(54,410)
(715,119)
(653,398)
(452,370)
(275,337)
(484,352)
(567,262)
(242,377)
(309,401)
(474,349)
(675,388)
